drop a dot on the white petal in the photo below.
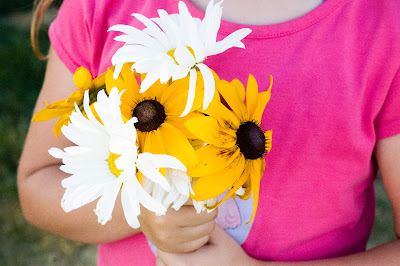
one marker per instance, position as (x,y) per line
(56,153)
(153,28)
(130,206)
(191,92)
(209,84)
(135,36)
(211,23)
(189,27)
(231,40)
(150,79)
(169,26)
(162,161)
(119,144)
(76,198)
(184,57)
(158,194)
(106,203)
(171,197)
(179,202)
(118,68)
(149,169)
(133,53)
(145,199)
(180,180)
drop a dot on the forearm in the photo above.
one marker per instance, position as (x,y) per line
(40,196)
(387,254)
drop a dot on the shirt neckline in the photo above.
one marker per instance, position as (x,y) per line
(274,30)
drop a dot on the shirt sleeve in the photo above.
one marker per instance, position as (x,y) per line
(387,123)
(71,34)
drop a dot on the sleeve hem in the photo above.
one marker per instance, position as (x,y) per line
(389,130)
(60,50)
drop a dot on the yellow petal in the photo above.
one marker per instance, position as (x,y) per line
(256,175)
(211,186)
(247,191)
(141,138)
(207,129)
(213,159)
(76,96)
(83,78)
(224,116)
(239,89)
(196,143)
(232,94)
(158,89)
(125,81)
(263,99)
(177,145)
(238,184)
(100,80)
(111,82)
(175,96)
(179,123)
(64,119)
(251,95)
(268,140)
(53,110)
(154,143)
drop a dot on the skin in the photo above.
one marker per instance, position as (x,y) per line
(40,191)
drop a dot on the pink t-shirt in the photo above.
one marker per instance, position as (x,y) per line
(336,92)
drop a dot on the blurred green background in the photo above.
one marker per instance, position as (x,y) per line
(21,76)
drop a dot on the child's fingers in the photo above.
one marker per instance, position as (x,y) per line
(192,218)
(197,232)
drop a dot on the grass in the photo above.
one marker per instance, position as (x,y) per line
(21,76)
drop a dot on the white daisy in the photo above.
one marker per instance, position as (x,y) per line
(180,183)
(181,187)
(174,46)
(105,159)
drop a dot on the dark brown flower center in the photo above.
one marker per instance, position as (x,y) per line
(150,115)
(251,140)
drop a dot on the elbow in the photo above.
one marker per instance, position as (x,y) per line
(397,230)
(24,200)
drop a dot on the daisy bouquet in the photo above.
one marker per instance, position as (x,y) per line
(160,126)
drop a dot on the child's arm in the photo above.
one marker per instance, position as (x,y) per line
(224,250)
(40,190)
(39,176)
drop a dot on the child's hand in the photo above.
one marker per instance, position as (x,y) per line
(178,231)
(221,249)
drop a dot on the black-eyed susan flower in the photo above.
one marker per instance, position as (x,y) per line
(160,129)
(105,160)
(174,46)
(63,108)
(234,157)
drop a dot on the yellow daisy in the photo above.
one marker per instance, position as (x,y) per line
(234,156)
(160,128)
(63,108)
